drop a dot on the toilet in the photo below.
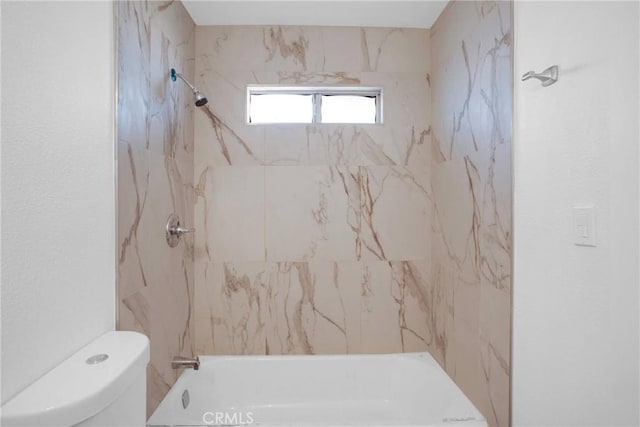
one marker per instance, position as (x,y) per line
(103,384)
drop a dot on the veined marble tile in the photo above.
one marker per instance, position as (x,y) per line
(134,73)
(312,213)
(133,313)
(450,126)
(353,145)
(133,189)
(346,78)
(230,215)
(150,188)
(231,47)
(230,308)
(170,308)
(395,207)
(410,289)
(495,324)
(315,307)
(342,49)
(495,213)
(472,218)
(219,144)
(272,308)
(157,388)
(261,48)
(380,318)
(165,196)
(223,136)
(455,183)
(471,90)
(337,298)
(442,345)
(395,50)
(467,368)
(310,304)
(227,90)
(314,145)
(407,221)
(405,98)
(497,383)
(170,270)
(396,146)
(155,283)
(481,58)
(180,174)
(172,109)
(295,48)
(155,175)
(171,123)
(347,145)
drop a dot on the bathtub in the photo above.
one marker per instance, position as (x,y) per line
(354,390)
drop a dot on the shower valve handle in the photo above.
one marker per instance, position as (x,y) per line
(181,230)
(174,230)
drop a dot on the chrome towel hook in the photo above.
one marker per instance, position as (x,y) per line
(547,77)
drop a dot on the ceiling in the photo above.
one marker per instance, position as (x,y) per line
(360,13)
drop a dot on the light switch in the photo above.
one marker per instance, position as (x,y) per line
(584,226)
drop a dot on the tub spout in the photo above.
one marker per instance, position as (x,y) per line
(185,362)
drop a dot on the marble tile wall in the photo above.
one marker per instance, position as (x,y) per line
(325,238)
(155,175)
(471,244)
(312,239)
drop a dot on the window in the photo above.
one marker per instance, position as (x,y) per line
(340,104)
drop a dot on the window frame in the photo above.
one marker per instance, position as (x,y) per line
(316,92)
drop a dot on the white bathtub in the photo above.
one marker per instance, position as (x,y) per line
(354,390)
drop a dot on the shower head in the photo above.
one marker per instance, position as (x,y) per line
(198,97)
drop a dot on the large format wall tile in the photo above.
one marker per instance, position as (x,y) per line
(402,108)
(312,213)
(471,88)
(395,213)
(347,145)
(345,209)
(230,216)
(311,307)
(134,71)
(395,50)
(223,136)
(325,238)
(314,145)
(317,49)
(155,179)
(408,221)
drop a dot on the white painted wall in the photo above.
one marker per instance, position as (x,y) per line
(576,330)
(359,13)
(58,209)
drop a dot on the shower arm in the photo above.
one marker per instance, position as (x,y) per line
(175,75)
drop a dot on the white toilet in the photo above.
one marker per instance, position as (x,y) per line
(103,384)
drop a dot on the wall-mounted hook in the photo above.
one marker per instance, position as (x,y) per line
(547,77)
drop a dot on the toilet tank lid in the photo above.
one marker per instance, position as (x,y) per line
(82,385)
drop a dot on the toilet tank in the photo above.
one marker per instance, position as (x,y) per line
(103,384)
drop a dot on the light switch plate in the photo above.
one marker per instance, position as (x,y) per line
(584,226)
